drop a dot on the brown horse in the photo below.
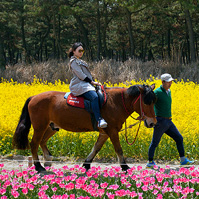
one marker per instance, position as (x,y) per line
(42,109)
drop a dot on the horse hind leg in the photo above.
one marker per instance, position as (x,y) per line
(98,145)
(36,139)
(46,153)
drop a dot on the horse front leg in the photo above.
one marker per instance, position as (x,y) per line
(98,145)
(46,153)
(118,149)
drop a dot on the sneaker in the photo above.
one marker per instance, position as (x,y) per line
(150,164)
(102,123)
(186,162)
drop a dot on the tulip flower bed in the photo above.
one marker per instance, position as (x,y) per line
(111,183)
(185,108)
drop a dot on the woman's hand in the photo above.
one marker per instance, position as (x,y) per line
(95,83)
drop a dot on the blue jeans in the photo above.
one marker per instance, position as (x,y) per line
(93,98)
(165,126)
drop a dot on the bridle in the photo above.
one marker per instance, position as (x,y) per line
(141,118)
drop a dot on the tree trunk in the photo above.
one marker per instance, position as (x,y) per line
(27,55)
(169,43)
(191,35)
(99,44)
(2,59)
(132,46)
(85,33)
(42,39)
(162,50)
(105,51)
(196,47)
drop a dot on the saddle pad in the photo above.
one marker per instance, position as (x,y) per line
(74,101)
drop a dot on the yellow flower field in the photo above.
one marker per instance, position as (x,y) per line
(185,109)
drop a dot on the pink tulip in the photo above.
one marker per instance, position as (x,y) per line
(72,196)
(156,167)
(69,186)
(110,195)
(31,187)
(138,185)
(4,197)
(41,194)
(123,181)
(159,196)
(15,187)
(192,168)
(114,187)
(15,193)
(104,185)
(101,192)
(19,175)
(155,192)
(151,187)
(2,191)
(162,170)
(1,165)
(54,189)
(144,188)
(25,191)
(120,193)
(133,194)
(166,184)
(65,167)
(44,188)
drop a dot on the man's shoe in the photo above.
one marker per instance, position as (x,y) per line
(186,162)
(102,123)
(150,164)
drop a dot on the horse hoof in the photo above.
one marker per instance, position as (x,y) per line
(87,166)
(39,168)
(125,167)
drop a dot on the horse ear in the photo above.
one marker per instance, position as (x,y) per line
(141,89)
(153,86)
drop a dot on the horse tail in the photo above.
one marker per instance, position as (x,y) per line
(20,138)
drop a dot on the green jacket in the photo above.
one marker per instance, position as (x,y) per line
(163,105)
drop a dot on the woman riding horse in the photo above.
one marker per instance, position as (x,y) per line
(82,82)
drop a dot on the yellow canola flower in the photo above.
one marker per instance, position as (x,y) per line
(185,109)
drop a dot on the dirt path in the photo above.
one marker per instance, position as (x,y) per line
(18,161)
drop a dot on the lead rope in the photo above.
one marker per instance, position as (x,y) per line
(140,96)
(135,135)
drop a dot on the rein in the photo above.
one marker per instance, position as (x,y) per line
(140,119)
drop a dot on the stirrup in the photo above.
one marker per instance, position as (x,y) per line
(53,127)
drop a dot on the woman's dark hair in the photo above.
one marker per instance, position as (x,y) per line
(74,47)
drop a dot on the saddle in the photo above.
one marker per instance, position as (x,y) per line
(81,102)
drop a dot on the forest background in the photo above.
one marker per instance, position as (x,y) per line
(123,39)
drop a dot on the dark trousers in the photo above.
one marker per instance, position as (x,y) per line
(165,126)
(93,98)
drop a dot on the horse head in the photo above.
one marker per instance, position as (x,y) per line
(144,104)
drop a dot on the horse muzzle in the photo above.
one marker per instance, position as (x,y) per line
(150,122)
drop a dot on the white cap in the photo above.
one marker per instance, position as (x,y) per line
(166,77)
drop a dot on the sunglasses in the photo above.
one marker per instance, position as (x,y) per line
(81,51)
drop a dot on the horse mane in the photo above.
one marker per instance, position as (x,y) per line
(149,96)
